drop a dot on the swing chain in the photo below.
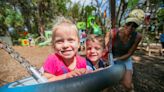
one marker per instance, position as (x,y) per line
(25,63)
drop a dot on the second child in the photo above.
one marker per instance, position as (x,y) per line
(94,49)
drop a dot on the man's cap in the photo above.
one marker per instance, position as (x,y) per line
(137,16)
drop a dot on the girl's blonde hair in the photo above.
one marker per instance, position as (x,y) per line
(61,21)
(96,38)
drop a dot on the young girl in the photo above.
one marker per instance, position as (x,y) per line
(64,62)
(94,49)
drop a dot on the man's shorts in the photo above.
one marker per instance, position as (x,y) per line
(128,63)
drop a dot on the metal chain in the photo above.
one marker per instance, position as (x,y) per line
(25,63)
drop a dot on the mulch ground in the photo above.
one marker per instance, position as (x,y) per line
(148,70)
(148,75)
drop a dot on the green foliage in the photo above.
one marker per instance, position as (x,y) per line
(36,14)
(13,18)
(29,14)
(89,9)
(160,14)
(74,10)
(132,3)
(1,18)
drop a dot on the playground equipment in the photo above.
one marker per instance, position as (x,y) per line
(44,40)
(27,40)
(87,28)
(81,25)
(24,42)
(92,24)
(92,82)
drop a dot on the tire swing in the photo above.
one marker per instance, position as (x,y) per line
(92,82)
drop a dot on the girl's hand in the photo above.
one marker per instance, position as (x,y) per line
(48,75)
(76,72)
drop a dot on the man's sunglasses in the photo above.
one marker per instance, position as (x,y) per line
(134,25)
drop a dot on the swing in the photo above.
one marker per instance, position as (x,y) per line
(92,82)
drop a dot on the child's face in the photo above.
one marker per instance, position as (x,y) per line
(93,51)
(66,42)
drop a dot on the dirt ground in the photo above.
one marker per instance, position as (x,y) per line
(148,70)
(11,70)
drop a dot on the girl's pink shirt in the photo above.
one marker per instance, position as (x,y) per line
(54,64)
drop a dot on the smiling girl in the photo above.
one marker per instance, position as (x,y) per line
(64,62)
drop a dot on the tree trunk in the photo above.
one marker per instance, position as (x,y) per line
(41,17)
(124,7)
(113,11)
(41,27)
(119,11)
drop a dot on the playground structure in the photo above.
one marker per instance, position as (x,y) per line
(91,27)
(152,49)
(40,41)
(84,29)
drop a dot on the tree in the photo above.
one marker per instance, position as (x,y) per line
(35,13)
(74,10)
(121,11)
(10,17)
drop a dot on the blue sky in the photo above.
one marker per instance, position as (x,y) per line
(87,2)
(105,6)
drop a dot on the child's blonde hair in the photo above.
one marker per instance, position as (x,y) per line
(96,38)
(61,21)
